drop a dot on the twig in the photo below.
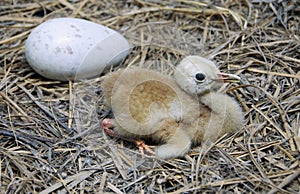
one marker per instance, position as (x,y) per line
(286,181)
(43,108)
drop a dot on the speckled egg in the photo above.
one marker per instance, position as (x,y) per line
(71,49)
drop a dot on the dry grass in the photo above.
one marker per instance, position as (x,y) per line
(51,140)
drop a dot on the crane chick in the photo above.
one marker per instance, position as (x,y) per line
(174,112)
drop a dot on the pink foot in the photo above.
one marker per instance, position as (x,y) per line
(142,146)
(106,124)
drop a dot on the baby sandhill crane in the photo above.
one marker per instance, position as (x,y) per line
(174,112)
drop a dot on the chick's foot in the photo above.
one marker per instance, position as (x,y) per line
(142,146)
(106,124)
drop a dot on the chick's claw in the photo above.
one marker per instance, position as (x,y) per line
(142,146)
(106,124)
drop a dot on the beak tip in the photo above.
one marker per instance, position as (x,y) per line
(229,78)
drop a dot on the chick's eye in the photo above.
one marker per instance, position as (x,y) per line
(200,77)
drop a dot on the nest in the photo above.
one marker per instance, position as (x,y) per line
(51,140)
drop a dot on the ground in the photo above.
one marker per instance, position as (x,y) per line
(50,134)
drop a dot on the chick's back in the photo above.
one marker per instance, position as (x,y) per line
(143,101)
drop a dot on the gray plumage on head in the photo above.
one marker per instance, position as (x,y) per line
(192,66)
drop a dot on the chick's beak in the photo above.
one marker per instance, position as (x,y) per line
(225,77)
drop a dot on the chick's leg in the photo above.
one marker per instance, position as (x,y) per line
(177,146)
(107,124)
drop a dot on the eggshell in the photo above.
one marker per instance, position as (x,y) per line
(70,49)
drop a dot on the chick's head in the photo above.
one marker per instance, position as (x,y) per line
(197,75)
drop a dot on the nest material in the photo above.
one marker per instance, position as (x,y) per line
(50,136)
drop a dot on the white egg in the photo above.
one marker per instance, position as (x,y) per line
(71,49)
